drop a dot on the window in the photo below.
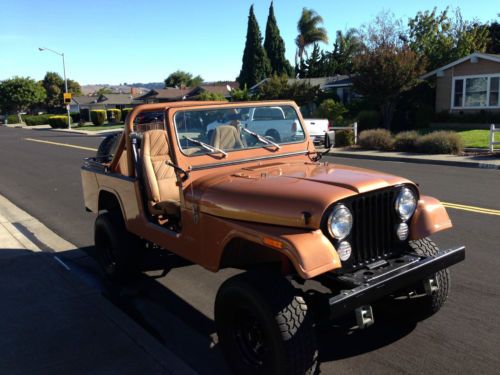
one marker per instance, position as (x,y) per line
(494,88)
(476,92)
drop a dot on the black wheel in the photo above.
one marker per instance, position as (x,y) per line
(108,146)
(416,302)
(118,251)
(264,326)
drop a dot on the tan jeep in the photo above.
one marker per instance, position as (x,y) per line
(252,193)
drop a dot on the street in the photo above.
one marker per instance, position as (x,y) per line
(175,305)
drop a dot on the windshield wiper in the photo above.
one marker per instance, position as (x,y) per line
(207,147)
(262,139)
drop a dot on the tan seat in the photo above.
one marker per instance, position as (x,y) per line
(226,137)
(159,178)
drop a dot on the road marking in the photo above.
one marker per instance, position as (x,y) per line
(479,210)
(61,144)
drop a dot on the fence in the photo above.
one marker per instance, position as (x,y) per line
(353,127)
(493,130)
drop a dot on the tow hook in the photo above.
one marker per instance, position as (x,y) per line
(364,316)
(431,286)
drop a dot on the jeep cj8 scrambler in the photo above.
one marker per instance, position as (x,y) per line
(251,193)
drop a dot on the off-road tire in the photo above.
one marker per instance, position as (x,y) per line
(118,251)
(424,306)
(108,146)
(280,313)
(273,135)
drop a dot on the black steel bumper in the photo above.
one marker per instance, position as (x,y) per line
(373,284)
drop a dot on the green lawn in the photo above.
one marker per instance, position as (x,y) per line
(476,138)
(94,128)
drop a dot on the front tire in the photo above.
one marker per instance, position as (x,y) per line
(118,251)
(264,326)
(423,305)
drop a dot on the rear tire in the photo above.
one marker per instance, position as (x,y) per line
(118,251)
(423,305)
(264,326)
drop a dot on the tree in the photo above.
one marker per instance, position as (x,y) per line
(345,48)
(103,91)
(441,39)
(212,96)
(278,87)
(256,65)
(180,79)
(313,66)
(54,88)
(240,95)
(383,73)
(309,33)
(19,94)
(275,46)
(494,44)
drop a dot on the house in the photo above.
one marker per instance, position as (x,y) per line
(170,94)
(339,85)
(469,84)
(85,104)
(222,89)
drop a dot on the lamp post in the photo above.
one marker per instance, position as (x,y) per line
(65,80)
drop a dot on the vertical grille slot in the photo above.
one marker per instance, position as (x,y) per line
(372,236)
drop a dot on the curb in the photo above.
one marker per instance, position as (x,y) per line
(72,131)
(452,163)
(36,237)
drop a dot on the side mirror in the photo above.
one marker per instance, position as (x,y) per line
(329,139)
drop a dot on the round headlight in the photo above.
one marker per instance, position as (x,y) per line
(406,203)
(340,222)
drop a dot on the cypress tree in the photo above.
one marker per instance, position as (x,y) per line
(256,65)
(275,47)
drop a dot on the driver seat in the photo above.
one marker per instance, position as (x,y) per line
(226,137)
(160,179)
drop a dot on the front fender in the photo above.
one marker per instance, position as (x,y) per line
(310,252)
(430,217)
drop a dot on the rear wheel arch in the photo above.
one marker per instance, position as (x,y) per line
(108,201)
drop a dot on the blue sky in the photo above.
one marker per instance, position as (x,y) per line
(111,41)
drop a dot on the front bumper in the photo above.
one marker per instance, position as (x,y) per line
(373,284)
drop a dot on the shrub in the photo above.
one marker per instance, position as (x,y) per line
(332,110)
(59,121)
(376,139)
(98,116)
(368,120)
(344,138)
(406,141)
(212,96)
(31,120)
(13,119)
(440,142)
(75,116)
(125,112)
(114,115)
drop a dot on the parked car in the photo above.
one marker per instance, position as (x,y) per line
(316,241)
(317,128)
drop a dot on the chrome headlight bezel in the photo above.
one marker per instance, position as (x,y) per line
(340,222)
(406,203)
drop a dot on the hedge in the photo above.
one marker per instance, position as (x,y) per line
(59,121)
(13,119)
(98,116)
(440,142)
(114,115)
(125,112)
(344,138)
(406,141)
(376,139)
(75,116)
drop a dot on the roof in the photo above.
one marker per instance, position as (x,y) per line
(322,82)
(84,100)
(168,93)
(485,56)
(115,99)
(214,88)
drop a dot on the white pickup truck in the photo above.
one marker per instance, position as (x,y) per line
(317,128)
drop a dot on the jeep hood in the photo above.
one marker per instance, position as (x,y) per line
(291,194)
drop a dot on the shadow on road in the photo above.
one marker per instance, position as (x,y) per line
(191,334)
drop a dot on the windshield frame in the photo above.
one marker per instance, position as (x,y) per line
(209,160)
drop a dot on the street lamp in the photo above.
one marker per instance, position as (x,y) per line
(65,80)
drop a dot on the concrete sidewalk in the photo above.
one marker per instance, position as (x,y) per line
(53,322)
(488,162)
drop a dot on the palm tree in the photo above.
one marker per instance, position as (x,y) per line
(309,33)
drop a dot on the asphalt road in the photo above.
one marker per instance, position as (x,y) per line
(176,307)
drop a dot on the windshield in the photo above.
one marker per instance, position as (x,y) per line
(233,129)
